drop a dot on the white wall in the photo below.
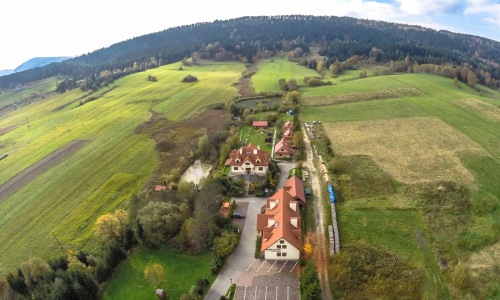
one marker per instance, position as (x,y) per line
(292,253)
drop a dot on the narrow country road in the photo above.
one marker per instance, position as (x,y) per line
(321,247)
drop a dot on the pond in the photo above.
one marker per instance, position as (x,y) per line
(252,103)
(196,172)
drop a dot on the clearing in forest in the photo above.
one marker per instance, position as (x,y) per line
(412,150)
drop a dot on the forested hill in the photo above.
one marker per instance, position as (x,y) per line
(251,37)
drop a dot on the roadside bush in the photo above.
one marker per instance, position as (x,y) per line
(309,282)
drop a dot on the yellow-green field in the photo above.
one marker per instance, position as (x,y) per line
(108,171)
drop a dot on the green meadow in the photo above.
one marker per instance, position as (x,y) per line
(181,272)
(271,70)
(387,219)
(62,204)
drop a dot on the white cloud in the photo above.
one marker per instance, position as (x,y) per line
(490,10)
(426,7)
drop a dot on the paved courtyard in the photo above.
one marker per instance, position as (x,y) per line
(264,279)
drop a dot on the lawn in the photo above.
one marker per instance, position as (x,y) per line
(181,272)
(271,70)
(254,136)
(116,163)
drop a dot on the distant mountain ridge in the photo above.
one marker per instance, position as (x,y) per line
(35,62)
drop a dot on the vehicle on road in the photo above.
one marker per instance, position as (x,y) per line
(238,215)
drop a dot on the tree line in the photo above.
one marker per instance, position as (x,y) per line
(251,38)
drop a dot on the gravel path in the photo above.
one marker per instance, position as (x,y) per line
(319,217)
(38,168)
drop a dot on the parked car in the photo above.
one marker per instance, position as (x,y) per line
(307,192)
(238,215)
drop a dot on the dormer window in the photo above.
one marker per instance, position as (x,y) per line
(237,160)
(258,160)
(247,163)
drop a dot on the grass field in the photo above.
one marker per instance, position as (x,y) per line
(270,71)
(115,164)
(453,131)
(251,135)
(412,150)
(181,272)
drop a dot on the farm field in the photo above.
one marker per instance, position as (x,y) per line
(270,71)
(115,164)
(451,134)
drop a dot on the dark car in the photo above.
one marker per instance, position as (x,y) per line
(307,192)
(238,215)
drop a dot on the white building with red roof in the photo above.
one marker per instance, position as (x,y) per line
(295,187)
(282,149)
(248,160)
(280,227)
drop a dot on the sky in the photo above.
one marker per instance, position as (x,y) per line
(39,28)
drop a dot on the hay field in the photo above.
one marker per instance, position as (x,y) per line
(481,108)
(412,150)
(361,96)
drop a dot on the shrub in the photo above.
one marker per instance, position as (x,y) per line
(190,78)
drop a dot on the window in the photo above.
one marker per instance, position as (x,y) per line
(279,246)
(283,247)
(261,168)
(282,241)
(283,253)
(235,168)
(278,254)
(247,163)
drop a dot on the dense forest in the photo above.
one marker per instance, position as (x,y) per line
(250,38)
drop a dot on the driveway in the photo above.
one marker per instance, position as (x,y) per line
(240,268)
(243,255)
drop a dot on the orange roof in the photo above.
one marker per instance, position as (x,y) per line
(275,222)
(160,188)
(226,205)
(295,187)
(288,124)
(282,144)
(250,153)
(288,132)
(260,123)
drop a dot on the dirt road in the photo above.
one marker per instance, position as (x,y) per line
(321,246)
(36,169)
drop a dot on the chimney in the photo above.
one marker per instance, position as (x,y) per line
(241,150)
(294,222)
(255,151)
(293,205)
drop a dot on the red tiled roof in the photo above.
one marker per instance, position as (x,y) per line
(288,124)
(249,153)
(288,133)
(160,188)
(281,214)
(260,123)
(295,187)
(282,144)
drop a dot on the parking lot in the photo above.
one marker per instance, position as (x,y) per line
(268,279)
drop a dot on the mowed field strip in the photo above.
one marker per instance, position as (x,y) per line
(412,150)
(361,96)
(25,176)
(481,108)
